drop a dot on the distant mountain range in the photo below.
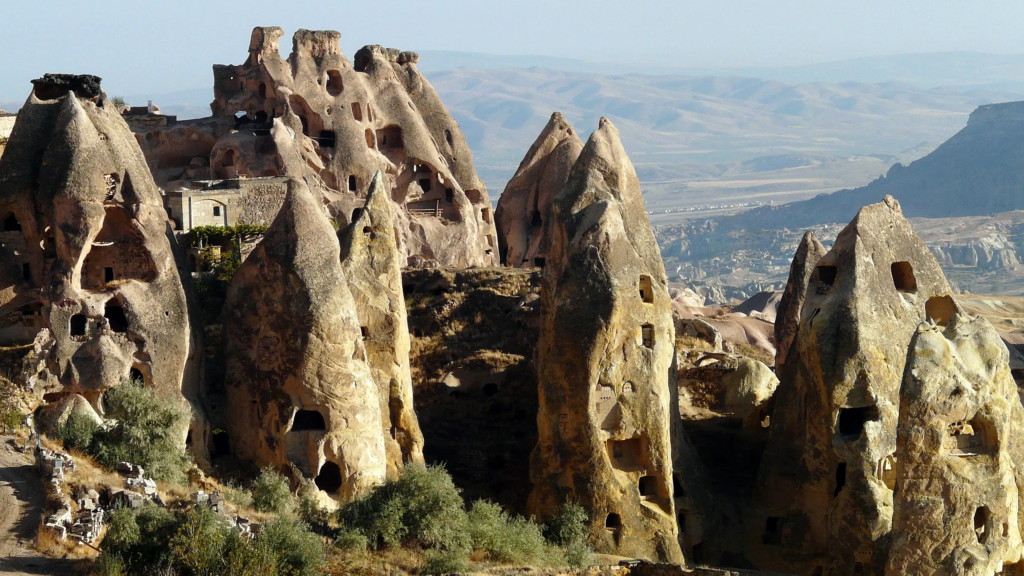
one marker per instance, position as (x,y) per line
(978,171)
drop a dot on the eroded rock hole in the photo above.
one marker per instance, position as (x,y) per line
(357,113)
(424,184)
(352,183)
(329,477)
(539,262)
(335,86)
(646,289)
(116,319)
(827,274)
(390,137)
(485,213)
(78,325)
(903,277)
(851,420)
(772,531)
(449,195)
(613,521)
(221,444)
(490,389)
(448,138)
(356,213)
(26,272)
(647,335)
(840,478)
(306,420)
(535,219)
(135,375)
(940,309)
(327,139)
(11,223)
(981,524)
(648,486)
(625,454)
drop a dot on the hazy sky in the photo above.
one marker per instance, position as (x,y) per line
(163,45)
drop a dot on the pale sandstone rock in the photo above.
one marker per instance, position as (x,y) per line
(787,314)
(605,354)
(957,461)
(84,248)
(372,267)
(524,214)
(822,502)
(345,121)
(300,392)
(749,387)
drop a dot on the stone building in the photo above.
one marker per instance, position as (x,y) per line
(372,267)
(958,454)
(606,349)
(301,396)
(317,116)
(86,267)
(524,214)
(824,498)
(225,202)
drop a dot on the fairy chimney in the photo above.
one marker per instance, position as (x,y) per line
(372,267)
(301,395)
(524,214)
(605,352)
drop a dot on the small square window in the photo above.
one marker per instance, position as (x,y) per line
(216,210)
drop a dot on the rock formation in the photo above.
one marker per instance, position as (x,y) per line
(524,214)
(370,262)
(787,315)
(335,123)
(824,495)
(300,393)
(86,268)
(958,454)
(605,354)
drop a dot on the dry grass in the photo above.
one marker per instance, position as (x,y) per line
(399,561)
(48,543)
(687,343)
(759,354)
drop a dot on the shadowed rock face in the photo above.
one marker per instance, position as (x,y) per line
(318,117)
(371,264)
(604,359)
(787,318)
(86,268)
(300,392)
(958,465)
(823,498)
(524,214)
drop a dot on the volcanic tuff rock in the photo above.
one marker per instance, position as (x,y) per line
(787,315)
(372,267)
(524,214)
(85,259)
(958,454)
(824,496)
(605,354)
(345,122)
(298,382)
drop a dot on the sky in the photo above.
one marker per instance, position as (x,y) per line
(163,46)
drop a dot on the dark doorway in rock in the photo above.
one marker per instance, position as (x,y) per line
(11,223)
(539,262)
(116,319)
(535,219)
(308,420)
(356,213)
(329,478)
(135,375)
(335,86)
(903,277)
(424,185)
(648,486)
(108,274)
(78,324)
(449,195)
(858,568)
(490,389)
(647,335)
(352,183)
(613,521)
(26,272)
(221,444)
(698,555)
(646,289)
(772,531)
(840,478)
(851,420)
(981,524)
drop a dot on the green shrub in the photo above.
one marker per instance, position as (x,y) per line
(108,565)
(271,493)
(512,540)
(569,525)
(299,552)
(11,419)
(441,562)
(77,431)
(311,514)
(237,494)
(248,557)
(146,430)
(198,542)
(348,540)
(422,507)
(578,554)
(138,537)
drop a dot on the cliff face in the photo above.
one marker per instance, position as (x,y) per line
(300,392)
(86,268)
(825,488)
(315,115)
(605,354)
(978,171)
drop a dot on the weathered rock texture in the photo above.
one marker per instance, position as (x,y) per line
(787,315)
(299,389)
(958,461)
(604,359)
(370,261)
(318,116)
(86,266)
(524,214)
(824,495)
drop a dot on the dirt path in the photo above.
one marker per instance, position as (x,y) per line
(21,504)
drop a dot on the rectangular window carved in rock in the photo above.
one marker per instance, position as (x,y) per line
(646,289)
(626,454)
(772,531)
(851,420)
(903,277)
(352,183)
(647,335)
(424,184)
